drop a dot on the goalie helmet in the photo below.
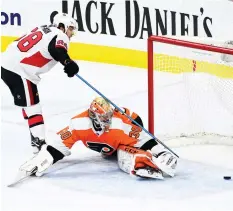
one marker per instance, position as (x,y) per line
(66,20)
(101,113)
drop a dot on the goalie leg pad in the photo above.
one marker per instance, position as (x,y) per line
(137,162)
(46,157)
(165,161)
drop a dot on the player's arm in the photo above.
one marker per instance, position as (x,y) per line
(58,50)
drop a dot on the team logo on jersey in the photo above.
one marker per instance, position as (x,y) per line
(100,147)
(65,135)
(61,43)
(106,149)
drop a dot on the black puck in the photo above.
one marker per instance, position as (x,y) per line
(227,177)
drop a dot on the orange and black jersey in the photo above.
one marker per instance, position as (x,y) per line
(121,132)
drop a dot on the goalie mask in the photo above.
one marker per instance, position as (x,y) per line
(101,113)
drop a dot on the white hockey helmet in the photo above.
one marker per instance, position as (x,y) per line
(66,20)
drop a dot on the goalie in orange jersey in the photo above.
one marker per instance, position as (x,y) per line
(103,129)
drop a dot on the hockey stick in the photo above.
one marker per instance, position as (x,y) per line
(98,92)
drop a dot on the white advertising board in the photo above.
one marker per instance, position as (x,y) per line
(124,24)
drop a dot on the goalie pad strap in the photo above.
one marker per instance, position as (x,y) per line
(149,145)
(56,154)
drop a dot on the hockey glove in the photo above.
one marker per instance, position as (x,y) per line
(71,68)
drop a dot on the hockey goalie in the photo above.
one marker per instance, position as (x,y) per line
(108,131)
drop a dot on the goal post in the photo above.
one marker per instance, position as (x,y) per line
(203,68)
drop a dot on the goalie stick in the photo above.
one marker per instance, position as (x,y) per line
(119,109)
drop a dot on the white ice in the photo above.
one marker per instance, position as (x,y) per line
(85,181)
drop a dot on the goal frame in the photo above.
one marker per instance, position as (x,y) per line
(150,65)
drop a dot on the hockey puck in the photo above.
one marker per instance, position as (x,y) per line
(227,177)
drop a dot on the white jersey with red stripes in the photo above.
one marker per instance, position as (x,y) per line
(29,57)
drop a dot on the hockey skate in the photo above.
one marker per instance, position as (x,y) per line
(36,144)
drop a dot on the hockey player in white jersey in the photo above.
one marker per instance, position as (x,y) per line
(35,53)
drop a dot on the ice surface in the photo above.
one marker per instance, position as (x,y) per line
(86,181)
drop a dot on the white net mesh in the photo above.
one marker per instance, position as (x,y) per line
(193,94)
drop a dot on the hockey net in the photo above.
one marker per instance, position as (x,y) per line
(190,91)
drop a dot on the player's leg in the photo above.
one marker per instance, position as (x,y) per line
(147,163)
(163,158)
(137,162)
(26,95)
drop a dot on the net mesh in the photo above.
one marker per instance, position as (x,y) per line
(193,94)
